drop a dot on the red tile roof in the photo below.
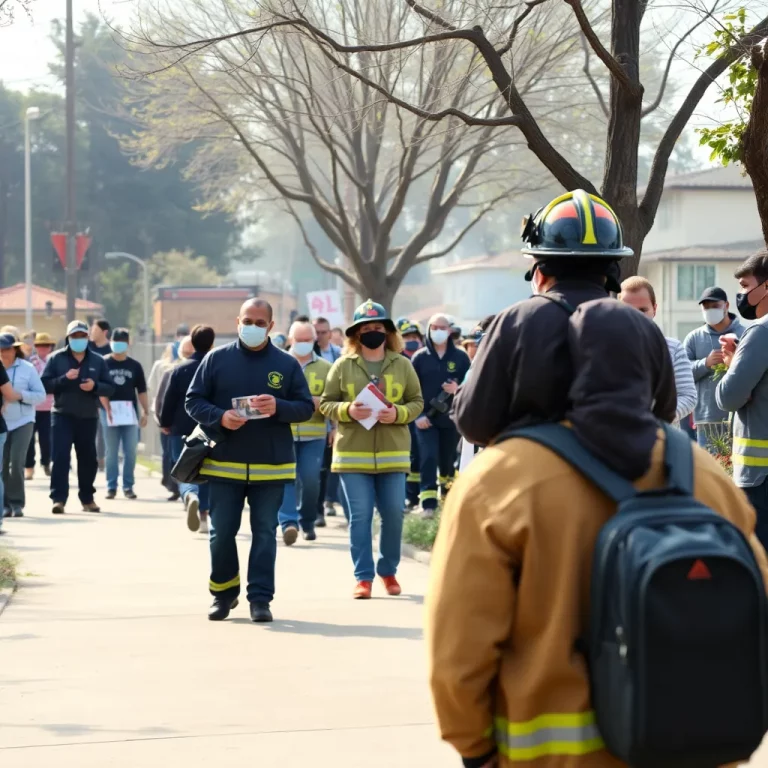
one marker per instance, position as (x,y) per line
(14,297)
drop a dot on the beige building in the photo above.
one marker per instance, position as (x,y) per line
(706,225)
(49,309)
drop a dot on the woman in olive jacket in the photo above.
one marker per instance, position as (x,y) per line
(373,460)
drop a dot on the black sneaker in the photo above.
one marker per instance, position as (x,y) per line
(290,534)
(111,495)
(260,613)
(320,522)
(18,512)
(310,536)
(129,494)
(7,512)
(58,508)
(175,496)
(91,506)
(221,607)
(47,470)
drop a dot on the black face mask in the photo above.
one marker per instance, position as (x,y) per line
(373,339)
(746,310)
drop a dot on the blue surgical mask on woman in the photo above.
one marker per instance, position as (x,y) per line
(303,348)
(78,345)
(119,347)
(252,335)
(412,345)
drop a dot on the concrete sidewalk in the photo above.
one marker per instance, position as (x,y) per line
(107,657)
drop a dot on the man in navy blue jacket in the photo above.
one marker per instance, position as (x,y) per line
(441,367)
(176,422)
(254,391)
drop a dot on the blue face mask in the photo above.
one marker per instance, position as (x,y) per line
(78,345)
(252,335)
(413,345)
(303,348)
(119,347)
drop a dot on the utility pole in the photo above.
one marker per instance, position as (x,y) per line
(70,226)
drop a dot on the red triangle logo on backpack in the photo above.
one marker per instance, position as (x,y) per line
(699,572)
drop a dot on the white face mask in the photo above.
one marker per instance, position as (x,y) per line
(303,348)
(714,316)
(438,335)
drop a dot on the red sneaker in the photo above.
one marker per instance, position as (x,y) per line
(363,590)
(393,588)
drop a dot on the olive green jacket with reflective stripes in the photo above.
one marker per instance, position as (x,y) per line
(316,373)
(385,447)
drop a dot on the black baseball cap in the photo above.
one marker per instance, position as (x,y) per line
(713,294)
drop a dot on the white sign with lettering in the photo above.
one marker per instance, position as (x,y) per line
(326,304)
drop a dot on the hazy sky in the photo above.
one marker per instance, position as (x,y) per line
(25,49)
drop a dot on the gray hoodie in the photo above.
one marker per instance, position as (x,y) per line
(698,345)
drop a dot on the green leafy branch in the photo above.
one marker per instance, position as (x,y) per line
(725,140)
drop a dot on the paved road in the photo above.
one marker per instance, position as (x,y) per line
(107,658)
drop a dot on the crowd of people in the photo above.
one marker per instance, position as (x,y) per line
(379,417)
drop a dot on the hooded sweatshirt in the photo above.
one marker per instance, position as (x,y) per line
(509,594)
(523,370)
(698,345)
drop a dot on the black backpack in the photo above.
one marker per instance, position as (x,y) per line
(678,632)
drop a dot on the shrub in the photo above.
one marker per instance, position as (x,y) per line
(420,532)
(8,563)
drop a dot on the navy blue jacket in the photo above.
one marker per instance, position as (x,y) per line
(68,398)
(236,371)
(434,371)
(173,414)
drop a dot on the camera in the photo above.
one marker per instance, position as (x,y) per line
(439,405)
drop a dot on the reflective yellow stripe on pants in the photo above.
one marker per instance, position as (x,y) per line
(551,734)
(214,587)
(750,453)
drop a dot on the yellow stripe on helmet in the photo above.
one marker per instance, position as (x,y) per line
(583,201)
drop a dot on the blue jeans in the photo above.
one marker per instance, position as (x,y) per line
(3,438)
(126,436)
(201,491)
(309,461)
(386,492)
(227,501)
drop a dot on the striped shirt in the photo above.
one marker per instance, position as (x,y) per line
(686,387)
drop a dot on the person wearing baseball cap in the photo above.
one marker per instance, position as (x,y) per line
(78,379)
(703,349)
(43,345)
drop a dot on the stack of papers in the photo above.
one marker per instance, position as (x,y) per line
(372,398)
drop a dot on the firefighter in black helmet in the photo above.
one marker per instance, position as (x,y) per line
(522,370)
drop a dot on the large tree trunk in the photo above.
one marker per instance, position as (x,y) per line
(626,112)
(755,138)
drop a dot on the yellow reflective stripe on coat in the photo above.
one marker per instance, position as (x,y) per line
(309,430)
(551,734)
(214,587)
(424,495)
(362,461)
(750,453)
(248,472)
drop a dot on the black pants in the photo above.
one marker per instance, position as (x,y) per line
(68,431)
(43,432)
(758,498)
(166,445)
(325,472)
(437,452)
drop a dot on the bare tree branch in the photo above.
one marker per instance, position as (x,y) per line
(591,79)
(656,103)
(431,16)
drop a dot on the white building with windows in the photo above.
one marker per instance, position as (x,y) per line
(706,225)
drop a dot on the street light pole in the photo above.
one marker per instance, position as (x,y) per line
(145,274)
(71,222)
(32,113)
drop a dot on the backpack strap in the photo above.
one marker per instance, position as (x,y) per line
(562,303)
(566,445)
(678,458)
